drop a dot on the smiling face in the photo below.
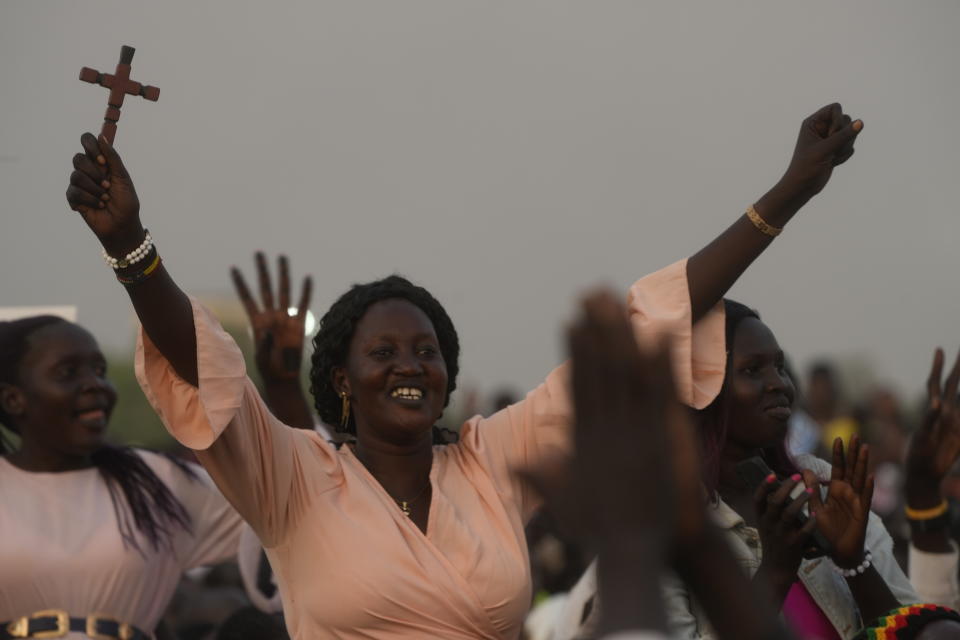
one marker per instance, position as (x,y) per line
(394,374)
(62,400)
(759,391)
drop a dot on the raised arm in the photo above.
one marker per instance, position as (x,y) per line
(102,191)
(278,339)
(825,141)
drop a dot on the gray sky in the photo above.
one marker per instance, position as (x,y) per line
(503,154)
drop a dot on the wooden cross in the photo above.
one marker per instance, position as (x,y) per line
(119,84)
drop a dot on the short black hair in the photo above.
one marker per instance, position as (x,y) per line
(332,341)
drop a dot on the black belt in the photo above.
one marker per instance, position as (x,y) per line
(55,623)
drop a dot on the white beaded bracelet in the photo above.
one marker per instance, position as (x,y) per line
(133,257)
(860,569)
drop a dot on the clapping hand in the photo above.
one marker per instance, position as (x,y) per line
(843,515)
(784,539)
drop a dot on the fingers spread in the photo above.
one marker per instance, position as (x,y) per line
(933,381)
(304,304)
(953,379)
(266,290)
(243,292)
(853,452)
(283,267)
(836,471)
(867,494)
(860,470)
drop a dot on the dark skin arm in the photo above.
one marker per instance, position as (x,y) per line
(278,338)
(933,450)
(102,192)
(825,141)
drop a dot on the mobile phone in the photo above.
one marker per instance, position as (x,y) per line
(755,472)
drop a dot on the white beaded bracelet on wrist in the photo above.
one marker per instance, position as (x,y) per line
(858,570)
(133,257)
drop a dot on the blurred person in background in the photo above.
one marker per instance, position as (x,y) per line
(825,404)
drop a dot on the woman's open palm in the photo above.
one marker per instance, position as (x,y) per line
(842,516)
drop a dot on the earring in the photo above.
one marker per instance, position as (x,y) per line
(344,409)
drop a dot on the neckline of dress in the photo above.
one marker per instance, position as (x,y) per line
(379,487)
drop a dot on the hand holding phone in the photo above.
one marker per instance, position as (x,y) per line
(755,472)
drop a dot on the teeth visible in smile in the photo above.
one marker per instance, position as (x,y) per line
(407,393)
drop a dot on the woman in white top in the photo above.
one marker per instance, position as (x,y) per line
(94,537)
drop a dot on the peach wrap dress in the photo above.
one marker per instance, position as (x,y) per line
(348,562)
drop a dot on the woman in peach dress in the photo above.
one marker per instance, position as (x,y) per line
(397,535)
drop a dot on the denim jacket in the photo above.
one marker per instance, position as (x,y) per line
(829,590)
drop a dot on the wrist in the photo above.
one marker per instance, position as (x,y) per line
(778,205)
(850,562)
(121,243)
(922,493)
(855,570)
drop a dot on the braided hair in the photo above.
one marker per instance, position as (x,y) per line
(332,341)
(714,418)
(154,510)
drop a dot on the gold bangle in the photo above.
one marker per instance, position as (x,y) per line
(926,514)
(761,224)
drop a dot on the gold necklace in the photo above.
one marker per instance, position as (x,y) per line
(405,504)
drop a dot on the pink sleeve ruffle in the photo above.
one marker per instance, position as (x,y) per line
(195,416)
(659,306)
